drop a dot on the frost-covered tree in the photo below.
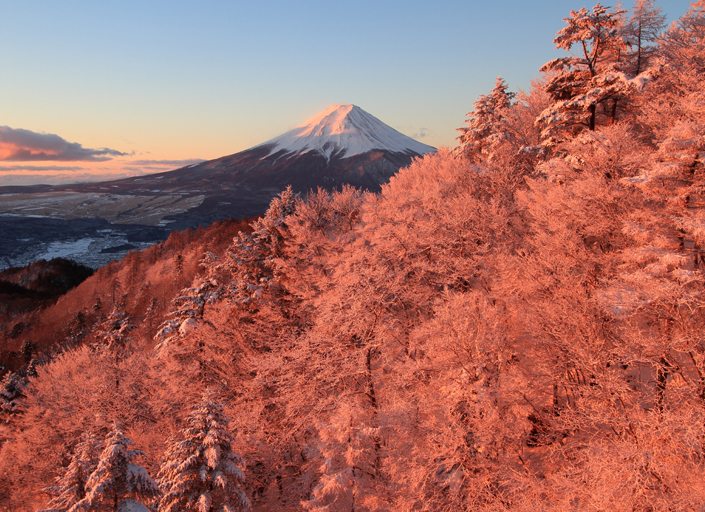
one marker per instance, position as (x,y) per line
(11,391)
(178,265)
(71,487)
(672,108)
(112,336)
(77,329)
(201,471)
(318,232)
(683,43)
(578,83)
(428,231)
(252,257)
(486,125)
(465,376)
(114,329)
(187,310)
(72,393)
(118,484)
(640,32)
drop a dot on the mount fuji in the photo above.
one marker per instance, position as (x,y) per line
(341,145)
(344,131)
(93,223)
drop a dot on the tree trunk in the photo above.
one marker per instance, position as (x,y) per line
(593,113)
(373,401)
(662,374)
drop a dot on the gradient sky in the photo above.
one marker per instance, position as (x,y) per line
(141,86)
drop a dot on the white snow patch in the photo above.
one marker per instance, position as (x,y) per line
(66,249)
(131,506)
(188,325)
(347,130)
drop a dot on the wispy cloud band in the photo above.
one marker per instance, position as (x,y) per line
(168,163)
(40,168)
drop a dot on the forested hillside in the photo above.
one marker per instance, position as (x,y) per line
(38,319)
(514,324)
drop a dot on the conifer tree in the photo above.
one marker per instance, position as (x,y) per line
(201,471)
(71,486)
(178,265)
(117,483)
(77,329)
(187,312)
(486,123)
(113,331)
(11,390)
(578,83)
(640,32)
(113,336)
(252,257)
(27,350)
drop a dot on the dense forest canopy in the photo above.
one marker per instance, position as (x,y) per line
(513,324)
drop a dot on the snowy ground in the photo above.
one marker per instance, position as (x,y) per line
(92,242)
(91,228)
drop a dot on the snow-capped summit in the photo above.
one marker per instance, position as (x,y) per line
(344,131)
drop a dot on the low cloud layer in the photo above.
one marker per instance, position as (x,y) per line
(18,145)
(168,163)
(22,173)
(62,178)
(39,168)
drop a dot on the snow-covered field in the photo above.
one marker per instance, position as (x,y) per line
(81,226)
(87,250)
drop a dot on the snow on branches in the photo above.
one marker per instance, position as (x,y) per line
(201,471)
(11,391)
(251,258)
(486,124)
(117,483)
(640,32)
(578,83)
(187,314)
(113,331)
(72,487)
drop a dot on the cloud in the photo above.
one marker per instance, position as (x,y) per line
(22,173)
(18,145)
(61,178)
(152,166)
(421,133)
(137,171)
(38,168)
(168,163)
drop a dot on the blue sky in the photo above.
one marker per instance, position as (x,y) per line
(176,81)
